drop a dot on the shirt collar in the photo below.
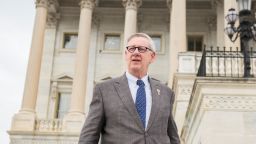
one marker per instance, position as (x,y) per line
(134,79)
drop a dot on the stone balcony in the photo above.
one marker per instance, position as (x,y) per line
(44,125)
(221,111)
(219,106)
(46,131)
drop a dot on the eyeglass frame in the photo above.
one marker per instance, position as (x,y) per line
(139,49)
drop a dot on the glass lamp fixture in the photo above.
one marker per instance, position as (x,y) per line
(231,17)
(230,30)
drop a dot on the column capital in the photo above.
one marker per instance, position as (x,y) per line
(52,20)
(132,4)
(53,6)
(90,4)
(216,3)
(169,3)
(42,3)
(53,13)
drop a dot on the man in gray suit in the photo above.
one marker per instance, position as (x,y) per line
(133,108)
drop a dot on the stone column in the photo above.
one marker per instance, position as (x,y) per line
(25,119)
(130,26)
(178,38)
(227,5)
(75,118)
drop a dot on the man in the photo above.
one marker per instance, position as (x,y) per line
(132,109)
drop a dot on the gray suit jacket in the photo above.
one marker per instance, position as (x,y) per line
(113,115)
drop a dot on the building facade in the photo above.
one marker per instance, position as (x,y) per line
(77,44)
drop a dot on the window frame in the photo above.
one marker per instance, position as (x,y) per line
(194,36)
(57,106)
(103,35)
(62,41)
(163,44)
(59,85)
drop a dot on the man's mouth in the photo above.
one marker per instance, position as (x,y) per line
(136,60)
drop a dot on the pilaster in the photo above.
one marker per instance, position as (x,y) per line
(212,23)
(220,22)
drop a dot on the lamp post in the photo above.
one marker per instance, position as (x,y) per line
(246,30)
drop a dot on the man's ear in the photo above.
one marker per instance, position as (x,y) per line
(153,56)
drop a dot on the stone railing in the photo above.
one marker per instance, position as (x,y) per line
(53,125)
(189,62)
(216,64)
(226,64)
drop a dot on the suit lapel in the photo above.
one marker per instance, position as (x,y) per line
(124,93)
(156,95)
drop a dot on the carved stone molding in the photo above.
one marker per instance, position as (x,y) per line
(90,4)
(53,6)
(243,103)
(184,92)
(42,3)
(132,4)
(52,20)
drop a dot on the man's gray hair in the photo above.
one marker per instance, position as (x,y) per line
(151,42)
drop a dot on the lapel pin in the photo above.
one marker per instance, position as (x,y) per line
(158,91)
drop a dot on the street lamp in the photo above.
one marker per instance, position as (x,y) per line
(246,30)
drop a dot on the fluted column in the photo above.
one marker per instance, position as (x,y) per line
(130,25)
(25,119)
(77,104)
(178,38)
(227,5)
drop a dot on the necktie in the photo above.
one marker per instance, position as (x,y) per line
(141,101)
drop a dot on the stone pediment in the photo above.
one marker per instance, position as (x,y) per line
(63,77)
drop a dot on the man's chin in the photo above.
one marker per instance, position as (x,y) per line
(135,69)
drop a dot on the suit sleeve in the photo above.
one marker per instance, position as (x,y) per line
(172,128)
(93,125)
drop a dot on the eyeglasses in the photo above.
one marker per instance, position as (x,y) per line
(141,49)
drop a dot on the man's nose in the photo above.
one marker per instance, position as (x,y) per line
(136,50)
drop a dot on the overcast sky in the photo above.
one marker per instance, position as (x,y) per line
(16,25)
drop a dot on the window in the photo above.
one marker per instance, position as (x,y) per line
(62,104)
(158,42)
(112,42)
(195,43)
(70,40)
(61,89)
